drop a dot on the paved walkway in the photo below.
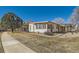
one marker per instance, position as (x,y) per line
(11,45)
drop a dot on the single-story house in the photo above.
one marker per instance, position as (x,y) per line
(45,27)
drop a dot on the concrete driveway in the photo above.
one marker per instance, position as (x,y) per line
(11,45)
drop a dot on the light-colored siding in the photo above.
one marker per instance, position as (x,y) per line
(40,30)
(33,28)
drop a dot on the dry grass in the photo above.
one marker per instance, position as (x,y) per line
(48,44)
(1,47)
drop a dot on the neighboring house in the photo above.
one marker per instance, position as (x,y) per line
(25,27)
(44,27)
(76,27)
(70,27)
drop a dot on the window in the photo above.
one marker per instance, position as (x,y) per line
(50,26)
(40,26)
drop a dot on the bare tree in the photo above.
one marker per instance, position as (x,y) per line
(29,21)
(58,20)
(74,18)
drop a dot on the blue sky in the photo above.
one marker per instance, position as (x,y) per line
(39,13)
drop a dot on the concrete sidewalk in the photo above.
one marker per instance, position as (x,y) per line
(11,45)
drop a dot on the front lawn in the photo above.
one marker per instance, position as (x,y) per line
(48,44)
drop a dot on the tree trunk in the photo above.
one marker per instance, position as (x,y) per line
(12,30)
